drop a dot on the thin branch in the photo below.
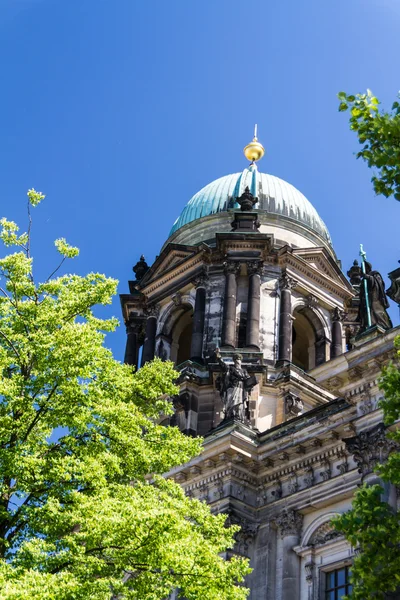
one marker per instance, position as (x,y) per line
(55,270)
(42,410)
(9,342)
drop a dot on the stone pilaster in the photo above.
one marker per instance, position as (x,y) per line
(196,349)
(253,305)
(229,315)
(133,330)
(290,523)
(337,337)
(286,284)
(149,345)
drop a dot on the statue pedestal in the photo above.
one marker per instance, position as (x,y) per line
(367,335)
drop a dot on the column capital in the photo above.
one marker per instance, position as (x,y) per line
(290,522)
(201,279)
(134,327)
(286,283)
(232,267)
(151,311)
(370,448)
(338,315)
(254,267)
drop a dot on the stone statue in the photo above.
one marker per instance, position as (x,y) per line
(141,268)
(378,302)
(234,385)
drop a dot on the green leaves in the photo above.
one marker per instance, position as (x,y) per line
(372,524)
(79,442)
(379,134)
(65,249)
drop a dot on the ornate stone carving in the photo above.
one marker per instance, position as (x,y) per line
(235,385)
(326,470)
(370,448)
(141,268)
(290,522)
(277,491)
(177,299)
(203,495)
(308,477)
(248,530)
(325,533)
(338,315)
(312,301)
(152,311)
(254,267)
(293,485)
(219,492)
(201,279)
(231,267)
(394,291)
(355,274)
(309,568)
(293,405)
(247,200)
(286,283)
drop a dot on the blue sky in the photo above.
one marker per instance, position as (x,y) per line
(121,110)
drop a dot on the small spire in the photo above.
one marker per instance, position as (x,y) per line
(254,151)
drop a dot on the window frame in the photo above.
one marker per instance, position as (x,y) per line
(328,568)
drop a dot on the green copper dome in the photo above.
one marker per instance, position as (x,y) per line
(274,196)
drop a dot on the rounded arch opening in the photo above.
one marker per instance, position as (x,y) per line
(178,329)
(309,342)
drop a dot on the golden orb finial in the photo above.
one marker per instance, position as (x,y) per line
(254,151)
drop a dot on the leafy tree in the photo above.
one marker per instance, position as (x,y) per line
(378,132)
(84,509)
(372,524)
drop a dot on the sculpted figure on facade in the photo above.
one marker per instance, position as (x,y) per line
(235,385)
(293,405)
(378,302)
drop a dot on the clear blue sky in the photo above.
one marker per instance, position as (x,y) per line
(121,110)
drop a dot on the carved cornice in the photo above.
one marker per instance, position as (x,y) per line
(290,522)
(370,448)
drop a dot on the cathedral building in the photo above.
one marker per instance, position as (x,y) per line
(279,355)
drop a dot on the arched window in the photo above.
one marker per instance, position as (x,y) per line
(308,339)
(182,337)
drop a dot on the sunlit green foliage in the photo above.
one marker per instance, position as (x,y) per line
(378,132)
(84,509)
(372,525)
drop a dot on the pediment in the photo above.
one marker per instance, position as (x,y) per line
(319,261)
(172,256)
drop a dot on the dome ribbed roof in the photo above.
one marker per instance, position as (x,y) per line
(274,196)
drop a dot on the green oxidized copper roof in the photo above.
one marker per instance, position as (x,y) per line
(274,196)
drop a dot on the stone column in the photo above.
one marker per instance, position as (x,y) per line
(337,339)
(253,305)
(290,523)
(149,345)
(369,449)
(196,349)
(286,283)
(229,315)
(132,343)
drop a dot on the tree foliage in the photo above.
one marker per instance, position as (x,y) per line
(84,509)
(378,132)
(372,525)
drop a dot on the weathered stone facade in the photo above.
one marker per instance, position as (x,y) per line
(277,295)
